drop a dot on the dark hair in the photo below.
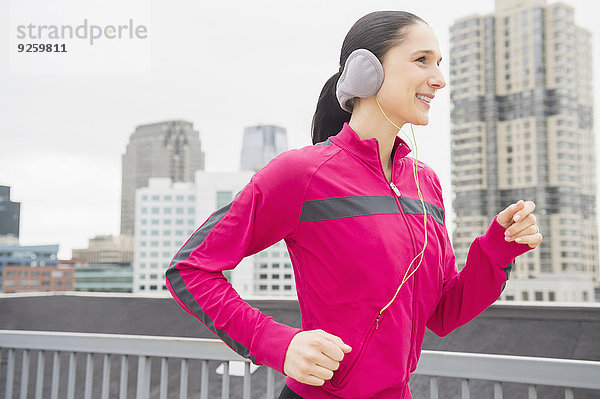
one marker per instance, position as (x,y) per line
(377,32)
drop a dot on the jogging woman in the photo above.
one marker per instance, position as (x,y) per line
(365,228)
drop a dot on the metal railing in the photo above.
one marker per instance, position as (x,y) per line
(533,371)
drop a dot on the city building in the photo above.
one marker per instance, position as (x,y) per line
(37,278)
(165,217)
(165,149)
(9,217)
(522,128)
(261,144)
(104,278)
(27,255)
(107,249)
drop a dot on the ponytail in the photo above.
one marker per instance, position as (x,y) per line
(329,116)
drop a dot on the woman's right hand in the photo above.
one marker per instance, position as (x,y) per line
(313,356)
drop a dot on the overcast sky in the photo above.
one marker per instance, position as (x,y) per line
(220,65)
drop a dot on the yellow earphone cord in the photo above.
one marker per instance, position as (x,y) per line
(416,176)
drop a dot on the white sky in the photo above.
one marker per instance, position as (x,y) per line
(220,65)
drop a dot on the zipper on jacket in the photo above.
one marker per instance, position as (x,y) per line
(399,194)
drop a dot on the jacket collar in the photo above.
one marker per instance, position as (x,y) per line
(368,149)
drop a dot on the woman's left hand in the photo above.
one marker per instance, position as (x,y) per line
(519,223)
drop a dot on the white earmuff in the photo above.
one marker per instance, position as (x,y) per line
(362,77)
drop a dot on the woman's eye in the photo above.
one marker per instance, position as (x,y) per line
(421,59)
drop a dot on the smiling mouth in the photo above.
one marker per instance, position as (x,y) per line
(425,99)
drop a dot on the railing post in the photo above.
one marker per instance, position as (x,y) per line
(498,390)
(55,375)
(71,379)
(143,382)
(39,378)
(204,380)
(106,376)
(569,393)
(164,377)
(89,374)
(466,392)
(247,382)
(225,381)
(10,374)
(25,374)
(433,388)
(532,392)
(124,377)
(270,383)
(183,379)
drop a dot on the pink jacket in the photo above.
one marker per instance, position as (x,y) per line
(350,237)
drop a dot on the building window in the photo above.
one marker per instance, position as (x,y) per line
(263,277)
(179,198)
(155,198)
(539,296)
(275,276)
(263,265)
(262,287)
(275,265)
(551,296)
(167,210)
(287,287)
(525,295)
(275,287)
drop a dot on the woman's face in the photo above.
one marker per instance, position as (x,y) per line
(411,76)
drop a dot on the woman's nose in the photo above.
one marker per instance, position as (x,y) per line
(437,80)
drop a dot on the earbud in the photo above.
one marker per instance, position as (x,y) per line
(362,77)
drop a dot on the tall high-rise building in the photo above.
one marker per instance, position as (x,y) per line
(165,149)
(9,214)
(522,129)
(261,144)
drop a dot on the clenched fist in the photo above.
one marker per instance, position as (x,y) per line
(519,223)
(313,356)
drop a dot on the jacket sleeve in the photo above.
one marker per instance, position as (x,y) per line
(264,212)
(467,293)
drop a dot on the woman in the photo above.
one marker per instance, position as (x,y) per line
(365,228)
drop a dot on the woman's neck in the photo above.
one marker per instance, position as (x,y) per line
(379,127)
